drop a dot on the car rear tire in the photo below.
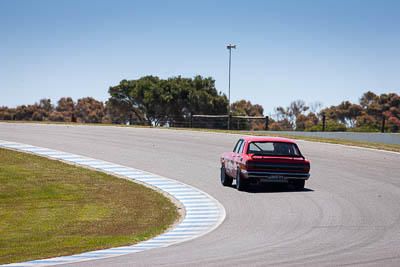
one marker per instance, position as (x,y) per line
(225,179)
(299,184)
(241,184)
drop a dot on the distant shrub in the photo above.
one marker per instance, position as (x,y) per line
(37,116)
(57,116)
(276,127)
(330,126)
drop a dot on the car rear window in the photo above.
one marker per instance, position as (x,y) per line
(273,149)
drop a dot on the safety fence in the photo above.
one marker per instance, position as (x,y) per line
(214,122)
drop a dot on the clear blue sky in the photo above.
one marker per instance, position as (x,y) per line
(327,51)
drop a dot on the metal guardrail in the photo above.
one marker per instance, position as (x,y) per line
(387,138)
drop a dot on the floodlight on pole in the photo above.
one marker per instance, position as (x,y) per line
(229,47)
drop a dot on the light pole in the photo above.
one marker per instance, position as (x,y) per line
(229,94)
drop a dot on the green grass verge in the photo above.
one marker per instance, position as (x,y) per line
(374,145)
(49,208)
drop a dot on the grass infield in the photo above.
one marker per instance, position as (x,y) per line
(49,208)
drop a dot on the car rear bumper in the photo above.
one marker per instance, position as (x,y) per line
(259,176)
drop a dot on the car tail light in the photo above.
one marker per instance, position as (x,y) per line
(307,167)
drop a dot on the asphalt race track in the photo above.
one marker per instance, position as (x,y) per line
(349,213)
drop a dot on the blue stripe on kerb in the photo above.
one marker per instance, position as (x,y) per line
(17,146)
(192,202)
(66,158)
(203,213)
(198,220)
(157,184)
(202,221)
(140,245)
(196,212)
(100,162)
(149,180)
(97,165)
(186,195)
(83,160)
(86,257)
(121,248)
(112,168)
(128,172)
(171,190)
(128,248)
(141,177)
(177,235)
(198,205)
(23,147)
(159,242)
(47,261)
(101,252)
(191,226)
(191,197)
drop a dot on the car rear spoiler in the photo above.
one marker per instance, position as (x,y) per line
(278,156)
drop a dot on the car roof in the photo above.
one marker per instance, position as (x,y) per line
(268,139)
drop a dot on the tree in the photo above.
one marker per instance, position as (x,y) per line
(379,107)
(64,110)
(89,110)
(42,110)
(393,114)
(36,112)
(367,99)
(154,101)
(315,107)
(118,113)
(306,121)
(366,121)
(23,113)
(6,113)
(354,112)
(288,116)
(369,115)
(245,108)
(346,113)
(131,98)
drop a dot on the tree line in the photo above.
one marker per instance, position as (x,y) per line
(169,102)
(85,110)
(147,101)
(373,113)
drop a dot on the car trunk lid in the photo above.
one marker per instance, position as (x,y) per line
(278,164)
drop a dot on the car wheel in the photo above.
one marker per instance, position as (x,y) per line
(299,184)
(225,179)
(241,184)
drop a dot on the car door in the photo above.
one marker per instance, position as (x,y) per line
(232,159)
(237,157)
(240,155)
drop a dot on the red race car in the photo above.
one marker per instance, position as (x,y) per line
(264,160)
